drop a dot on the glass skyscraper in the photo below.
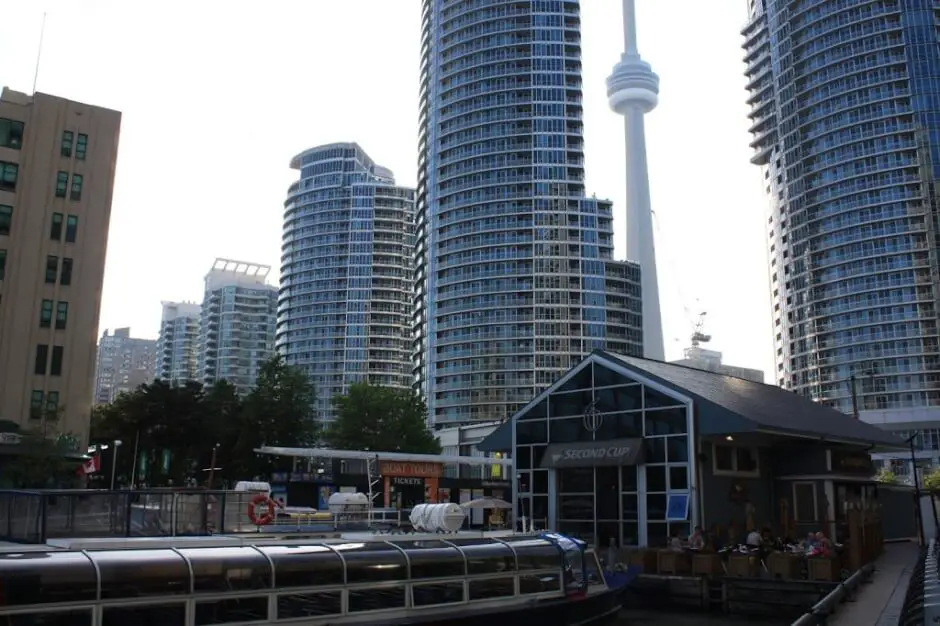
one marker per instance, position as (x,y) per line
(344,308)
(514,275)
(845,110)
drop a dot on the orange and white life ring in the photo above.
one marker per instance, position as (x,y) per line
(267,506)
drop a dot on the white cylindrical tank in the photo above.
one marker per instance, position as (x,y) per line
(431,518)
(343,503)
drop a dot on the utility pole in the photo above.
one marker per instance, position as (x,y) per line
(854,396)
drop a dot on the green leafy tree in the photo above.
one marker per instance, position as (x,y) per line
(886,476)
(277,412)
(371,417)
(932,479)
(45,457)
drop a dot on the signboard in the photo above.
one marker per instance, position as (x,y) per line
(407,482)
(593,453)
(417,470)
(851,462)
(677,507)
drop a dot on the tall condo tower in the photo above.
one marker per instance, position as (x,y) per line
(633,91)
(514,277)
(346,273)
(846,129)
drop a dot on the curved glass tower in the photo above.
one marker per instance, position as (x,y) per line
(344,308)
(845,109)
(514,277)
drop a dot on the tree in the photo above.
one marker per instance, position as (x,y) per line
(371,417)
(886,476)
(44,456)
(932,479)
(277,412)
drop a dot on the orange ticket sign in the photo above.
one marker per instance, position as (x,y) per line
(412,470)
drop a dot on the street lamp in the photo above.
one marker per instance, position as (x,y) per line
(117,444)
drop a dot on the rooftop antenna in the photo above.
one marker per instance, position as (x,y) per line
(42,32)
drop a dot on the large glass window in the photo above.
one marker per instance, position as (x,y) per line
(11,133)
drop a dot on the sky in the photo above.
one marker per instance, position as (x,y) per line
(218,96)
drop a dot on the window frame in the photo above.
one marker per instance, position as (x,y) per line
(3,263)
(61,184)
(51,402)
(41,360)
(755,452)
(13,124)
(46,313)
(815,500)
(66,144)
(4,167)
(55,228)
(56,361)
(75,190)
(81,146)
(71,228)
(36,403)
(65,273)
(52,269)
(6,219)
(61,315)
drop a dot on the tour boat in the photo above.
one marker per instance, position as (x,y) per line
(358,578)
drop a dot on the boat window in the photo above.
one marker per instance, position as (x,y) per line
(228,569)
(231,610)
(433,559)
(73,617)
(152,615)
(536,553)
(429,594)
(297,605)
(492,588)
(304,566)
(46,578)
(372,562)
(485,556)
(539,582)
(592,567)
(376,599)
(136,573)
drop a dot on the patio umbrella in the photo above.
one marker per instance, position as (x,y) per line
(486,503)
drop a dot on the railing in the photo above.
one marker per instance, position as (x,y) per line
(37,516)
(827,606)
(921,606)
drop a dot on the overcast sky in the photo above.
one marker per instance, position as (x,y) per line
(217,96)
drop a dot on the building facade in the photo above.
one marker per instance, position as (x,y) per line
(123,364)
(711,361)
(236,323)
(846,130)
(57,165)
(346,273)
(178,343)
(514,277)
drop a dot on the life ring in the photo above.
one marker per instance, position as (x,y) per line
(268,510)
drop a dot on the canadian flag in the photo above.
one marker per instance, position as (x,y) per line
(92,465)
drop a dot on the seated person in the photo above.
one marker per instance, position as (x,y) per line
(753,539)
(675,542)
(697,540)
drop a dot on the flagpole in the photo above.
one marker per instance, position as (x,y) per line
(134,466)
(42,32)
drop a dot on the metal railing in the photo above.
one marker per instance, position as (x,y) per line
(823,609)
(921,602)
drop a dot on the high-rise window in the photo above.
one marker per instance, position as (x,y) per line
(77,180)
(67,138)
(52,404)
(11,134)
(42,359)
(45,314)
(55,369)
(55,230)
(9,172)
(61,184)
(71,228)
(52,268)
(61,315)
(66,277)
(81,147)
(35,404)
(6,219)
(3,263)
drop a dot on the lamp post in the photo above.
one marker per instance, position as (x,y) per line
(117,444)
(917,507)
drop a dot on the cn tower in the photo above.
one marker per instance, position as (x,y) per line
(633,91)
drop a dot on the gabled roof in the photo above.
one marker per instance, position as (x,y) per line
(728,405)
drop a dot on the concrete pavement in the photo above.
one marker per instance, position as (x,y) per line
(879,601)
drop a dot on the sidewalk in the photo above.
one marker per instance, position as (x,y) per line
(878,602)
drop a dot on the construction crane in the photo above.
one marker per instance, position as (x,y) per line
(698,333)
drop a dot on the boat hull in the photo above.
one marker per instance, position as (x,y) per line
(593,610)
